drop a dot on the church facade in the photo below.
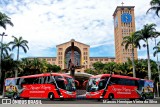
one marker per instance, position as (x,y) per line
(78,53)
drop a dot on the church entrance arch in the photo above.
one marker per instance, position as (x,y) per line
(72,54)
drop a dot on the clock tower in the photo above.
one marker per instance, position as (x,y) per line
(124,25)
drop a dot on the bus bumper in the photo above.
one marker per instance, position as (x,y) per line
(68,94)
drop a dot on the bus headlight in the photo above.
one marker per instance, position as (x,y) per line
(67,92)
(61,96)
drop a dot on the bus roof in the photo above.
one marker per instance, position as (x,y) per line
(43,75)
(114,75)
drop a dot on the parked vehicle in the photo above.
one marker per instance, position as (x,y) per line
(110,86)
(47,85)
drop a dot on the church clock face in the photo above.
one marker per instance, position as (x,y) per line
(126,18)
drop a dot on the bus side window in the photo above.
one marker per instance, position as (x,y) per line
(130,82)
(35,80)
(45,80)
(122,81)
(48,79)
(114,80)
(41,80)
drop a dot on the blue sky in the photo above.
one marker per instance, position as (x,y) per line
(46,23)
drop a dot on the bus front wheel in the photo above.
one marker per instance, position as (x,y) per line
(111,97)
(51,96)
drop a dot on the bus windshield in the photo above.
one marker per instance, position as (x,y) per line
(65,83)
(92,86)
(95,84)
(70,85)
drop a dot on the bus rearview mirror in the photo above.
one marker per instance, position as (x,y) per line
(76,82)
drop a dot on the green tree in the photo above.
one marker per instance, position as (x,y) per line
(155,6)
(144,34)
(110,67)
(4,56)
(19,43)
(98,66)
(8,66)
(4,20)
(125,68)
(26,65)
(132,41)
(36,65)
(157,49)
(5,50)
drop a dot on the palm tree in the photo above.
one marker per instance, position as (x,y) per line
(5,48)
(36,65)
(4,20)
(157,49)
(133,41)
(155,5)
(8,65)
(19,43)
(144,34)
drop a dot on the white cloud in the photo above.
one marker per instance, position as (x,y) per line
(46,23)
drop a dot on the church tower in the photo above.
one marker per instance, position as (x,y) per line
(124,25)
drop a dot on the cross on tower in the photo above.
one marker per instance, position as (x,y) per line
(122,3)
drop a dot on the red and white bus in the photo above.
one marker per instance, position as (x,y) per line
(110,86)
(47,85)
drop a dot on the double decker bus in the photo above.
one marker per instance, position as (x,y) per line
(110,86)
(47,85)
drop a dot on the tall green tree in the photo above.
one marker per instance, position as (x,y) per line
(5,50)
(8,65)
(155,6)
(132,41)
(4,56)
(157,49)
(4,20)
(19,43)
(148,31)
